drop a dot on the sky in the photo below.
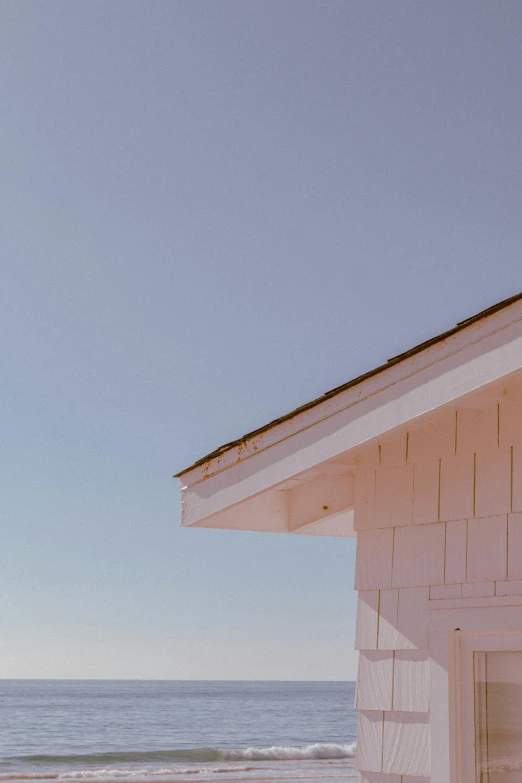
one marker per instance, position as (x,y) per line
(212,212)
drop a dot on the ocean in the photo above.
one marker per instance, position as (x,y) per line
(146,730)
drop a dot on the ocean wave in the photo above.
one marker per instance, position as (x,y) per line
(131,765)
(105,774)
(317,751)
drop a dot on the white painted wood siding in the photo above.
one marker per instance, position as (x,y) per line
(438,510)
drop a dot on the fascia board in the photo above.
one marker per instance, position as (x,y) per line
(252,446)
(475,357)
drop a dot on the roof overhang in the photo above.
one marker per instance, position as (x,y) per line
(297,474)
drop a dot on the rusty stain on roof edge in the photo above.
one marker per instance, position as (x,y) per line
(360,378)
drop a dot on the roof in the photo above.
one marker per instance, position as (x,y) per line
(359,379)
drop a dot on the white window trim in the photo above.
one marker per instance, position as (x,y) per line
(462,691)
(499,615)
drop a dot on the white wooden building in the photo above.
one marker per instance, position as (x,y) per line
(421,460)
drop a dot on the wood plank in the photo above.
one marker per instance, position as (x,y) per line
(367,621)
(373,564)
(440,726)
(509,588)
(266,512)
(411,681)
(319,498)
(392,448)
(510,417)
(375,680)
(445,591)
(338,525)
(406,743)
(402,619)
(515,546)
(379,777)
(394,496)
(486,615)
(456,545)
(418,555)
(412,618)
(516,500)
(493,482)
(368,754)
(478,590)
(487,549)
(432,436)
(389,636)
(497,601)
(426,475)
(477,428)
(364,509)
(457,486)
(368,456)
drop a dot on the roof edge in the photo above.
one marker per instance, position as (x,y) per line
(460,326)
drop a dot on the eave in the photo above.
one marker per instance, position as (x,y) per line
(296,474)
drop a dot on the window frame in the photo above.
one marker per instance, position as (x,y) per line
(462,690)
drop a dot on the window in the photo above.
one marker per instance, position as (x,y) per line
(498,716)
(489,703)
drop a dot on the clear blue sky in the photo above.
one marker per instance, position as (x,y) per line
(212,212)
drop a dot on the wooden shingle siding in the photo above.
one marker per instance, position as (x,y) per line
(440,519)
(426,474)
(375,681)
(509,588)
(456,544)
(392,448)
(394,496)
(487,549)
(369,741)
(406,745)
(515,546)
(445,591)
(367,622)
(432,435)
(477,429)
(389,636)
(418,555)
(373,565)
(516,499)
(510,418)
(457,482)
(411,681)
(412,618)
(478,590)
(368,456)
(493,482)
(364,499)
(402,619)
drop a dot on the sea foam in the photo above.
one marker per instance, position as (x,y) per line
(205,762)
(318,750)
